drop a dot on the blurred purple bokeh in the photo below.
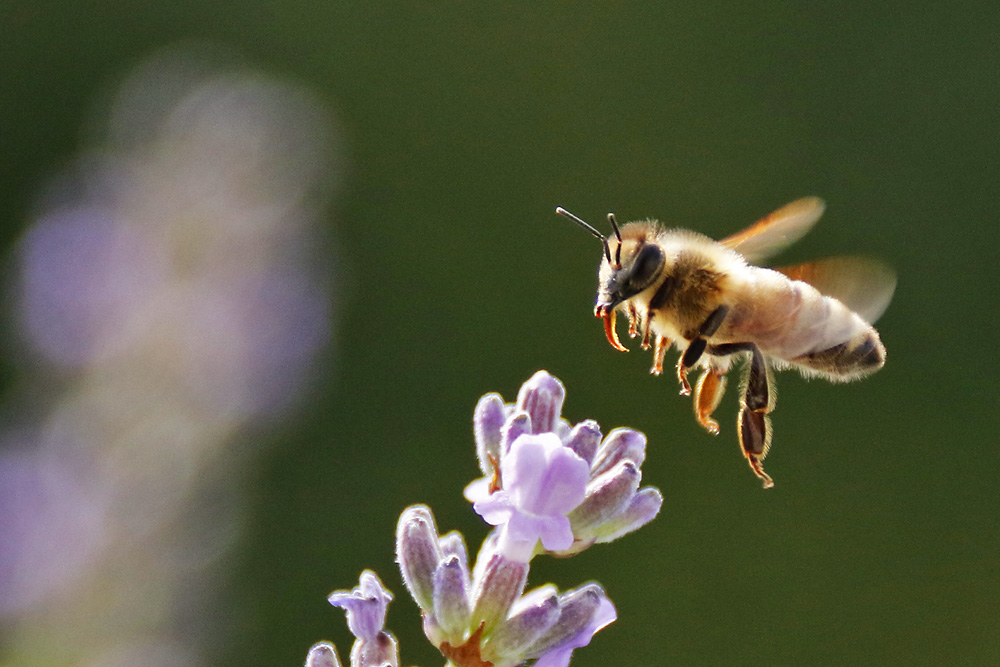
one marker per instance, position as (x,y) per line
(173,290)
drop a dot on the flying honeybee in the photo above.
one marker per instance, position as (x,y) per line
(704,296)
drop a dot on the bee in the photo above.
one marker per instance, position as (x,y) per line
(711,300)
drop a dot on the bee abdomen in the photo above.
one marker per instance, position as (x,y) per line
(861,355)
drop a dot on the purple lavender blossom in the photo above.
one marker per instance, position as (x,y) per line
(174,279)
(365,607)
(538,505)
(543,482)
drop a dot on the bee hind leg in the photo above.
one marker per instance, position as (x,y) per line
(697,346)
(754,424)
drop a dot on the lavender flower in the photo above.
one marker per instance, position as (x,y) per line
(547,487)
(545,481)
(552,475)
(365,607)
(171,293)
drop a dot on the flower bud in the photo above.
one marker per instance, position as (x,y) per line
(418,553)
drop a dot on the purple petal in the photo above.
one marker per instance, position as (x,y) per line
(543,477)
(555,658)
(478,489)
(554,532)
(365,606)
(495,508)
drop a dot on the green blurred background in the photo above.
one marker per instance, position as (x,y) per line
(464,125)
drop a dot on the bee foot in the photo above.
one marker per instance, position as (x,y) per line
(710,425)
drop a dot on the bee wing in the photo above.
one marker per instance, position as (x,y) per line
(863,284)
(777,230)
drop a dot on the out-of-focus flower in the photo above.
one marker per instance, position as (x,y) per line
(482,617)
(172,292)
(365,607)
(532,460)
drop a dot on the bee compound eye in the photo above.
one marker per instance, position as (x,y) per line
(647,265)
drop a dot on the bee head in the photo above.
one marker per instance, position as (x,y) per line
(632,261)
(632,264)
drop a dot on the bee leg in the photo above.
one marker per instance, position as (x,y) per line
(633,320)
(662,343)
(690,357)
(697,346)
(753,424)
(707,394)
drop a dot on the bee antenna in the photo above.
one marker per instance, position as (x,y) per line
(614,226)
(607,252)
(618,235)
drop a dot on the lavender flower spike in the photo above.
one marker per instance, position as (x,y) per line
(557,488)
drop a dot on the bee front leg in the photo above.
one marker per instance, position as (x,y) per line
(753,424)
(697,346)
(633,320)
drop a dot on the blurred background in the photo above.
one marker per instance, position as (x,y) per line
(261,260)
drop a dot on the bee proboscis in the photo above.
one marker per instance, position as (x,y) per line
(710,300)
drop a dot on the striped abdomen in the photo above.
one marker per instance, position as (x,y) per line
(793,323)
(861,355)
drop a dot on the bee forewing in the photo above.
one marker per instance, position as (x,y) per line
(777,230)
(863,284)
